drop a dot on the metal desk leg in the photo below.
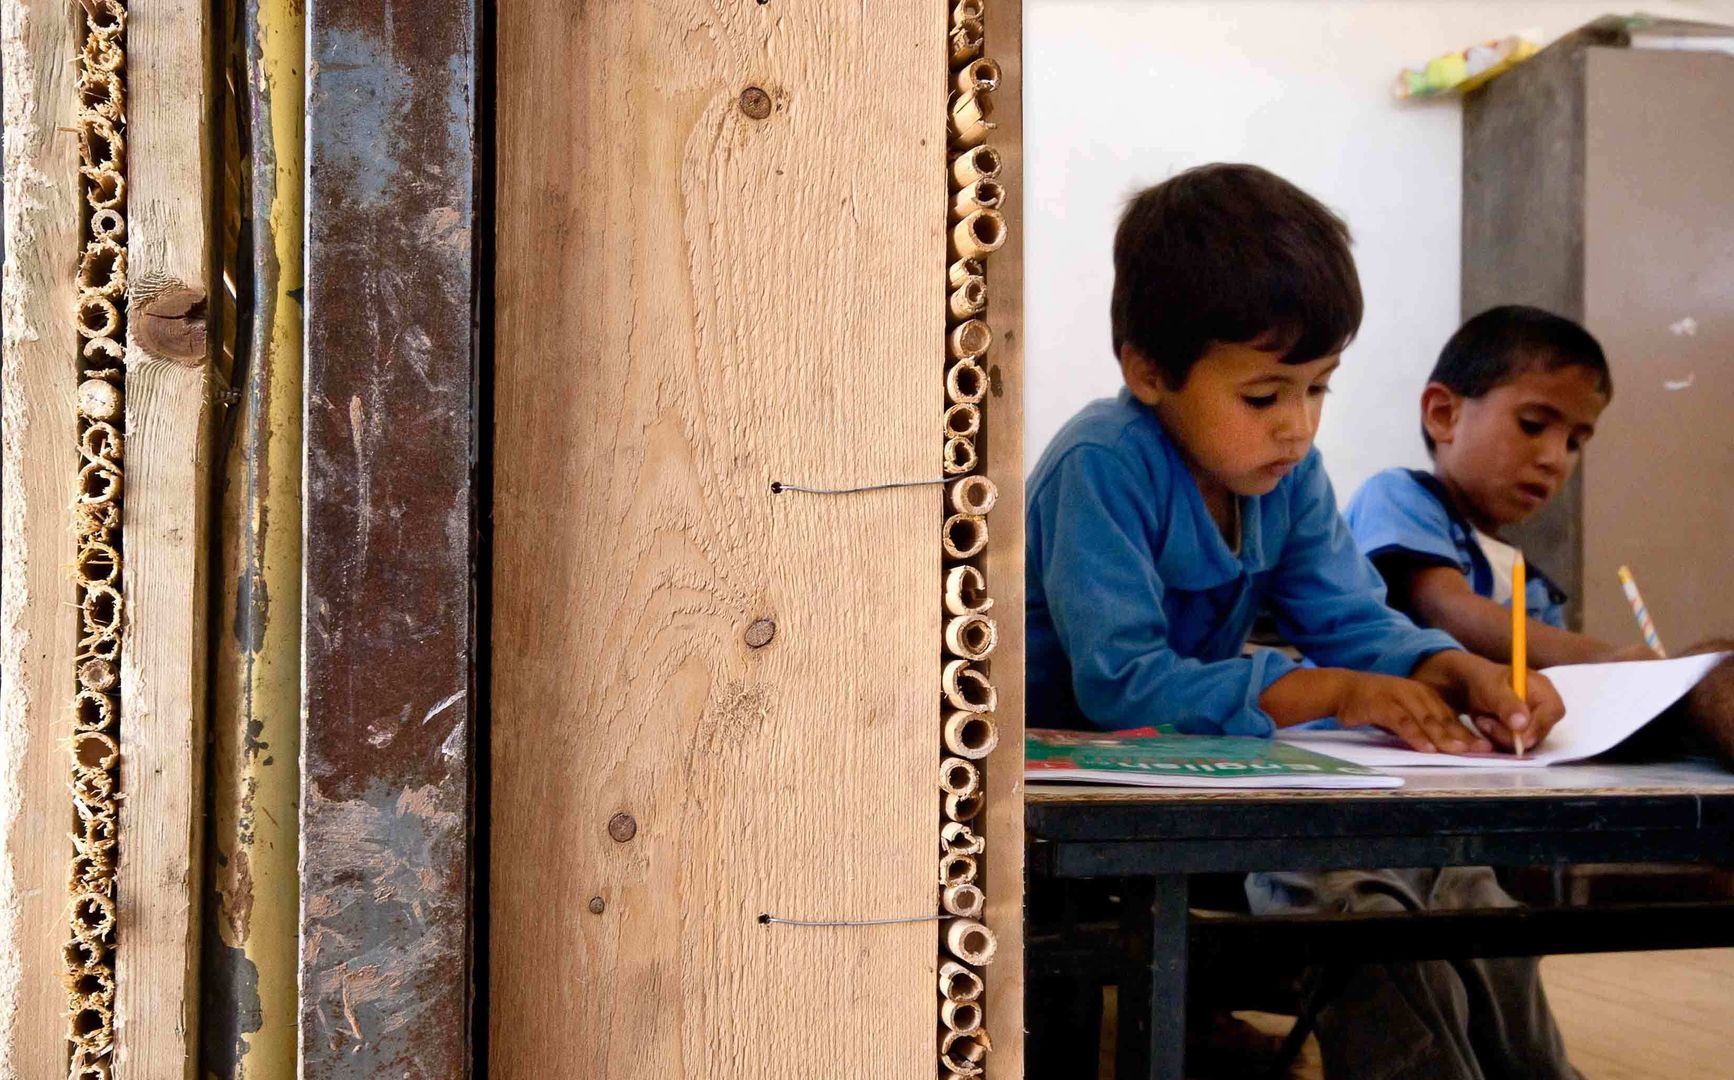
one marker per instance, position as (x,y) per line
(1168,978)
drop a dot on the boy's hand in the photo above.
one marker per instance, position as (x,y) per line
(1412,711)
(1482,689)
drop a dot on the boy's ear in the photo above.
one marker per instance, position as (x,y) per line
(1440,408)
(1142,376)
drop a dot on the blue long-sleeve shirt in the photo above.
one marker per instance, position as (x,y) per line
(1138,610)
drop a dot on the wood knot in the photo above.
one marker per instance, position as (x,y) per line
(170,324)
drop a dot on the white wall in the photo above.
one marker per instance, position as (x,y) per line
(1123,94)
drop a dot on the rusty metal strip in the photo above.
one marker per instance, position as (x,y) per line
(250,959)
(390,429)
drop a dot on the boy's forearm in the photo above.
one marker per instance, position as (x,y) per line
(1304,695)
(1484,628)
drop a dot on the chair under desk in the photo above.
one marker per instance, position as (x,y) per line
(1155,840)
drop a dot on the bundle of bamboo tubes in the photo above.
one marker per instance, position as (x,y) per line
(100,317)
(967,695)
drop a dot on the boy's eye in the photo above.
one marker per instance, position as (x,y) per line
(1573,443)
(1531,427)
(1259,401)
(1318,391)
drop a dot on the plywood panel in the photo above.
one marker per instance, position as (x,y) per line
(1004,462)
(38,467)
(702,290)
(1659,220)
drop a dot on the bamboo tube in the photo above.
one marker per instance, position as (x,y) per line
(97,562)
(88,869)
(969,339)
(92,916)
(92,785)
(968,299)
(966,383)
(973,495)
(102,54)
(94,750)
(961,1016)
(100,146)
(107,188)
(98,675)
(972,637)
(96,316)
(963,900)
(970,126)
(96,1069)
(98,482)
(106,18)
(111,350)
(966,11)
(968,689)
(959,272)
(959,456)
(975,163)
(964,536)
(102,268)
(959,776)
(962,1052)
(985,194)
(107,225)
(95,519)
(966,38)
(966,591)
(100,609)
(978,235)
(963,807)
(90,984)
(956,838)
(971,735)
(958,983)
(956,870)
(981,75)
(962,421)
(92,711)
(80,953)
(91,1028)
(100,444)
(970,942)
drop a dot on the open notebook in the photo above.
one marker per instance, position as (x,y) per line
(1605,704)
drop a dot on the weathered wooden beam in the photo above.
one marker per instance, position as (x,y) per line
(38,468)
(387,633)
(171,188)
(250,957)
(1003,460)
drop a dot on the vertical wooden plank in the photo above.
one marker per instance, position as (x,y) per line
(1659,293)
(1003,458)
(387,624)
(250,962)
(170,185)
(720,232)
(38,467)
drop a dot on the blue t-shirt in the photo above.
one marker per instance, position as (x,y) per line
(1138,610)
(1403,521)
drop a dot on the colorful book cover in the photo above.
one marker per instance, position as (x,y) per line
(1153,757)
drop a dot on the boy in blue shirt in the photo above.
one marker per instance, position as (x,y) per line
(1163,521)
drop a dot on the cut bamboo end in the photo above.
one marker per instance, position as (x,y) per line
(969,299)
(92,710)
(969,339)
(970,942)
(99,145)
(985,194)
(966,591)
(91,785)
(971,637)
(966,37)
(963,807)
(958,983)
(90,1028)
(102,269)
(108,349)
(956,870)
(975,163)
(956,838)
(959,776)
(973,495)
(92,916)
(962,421)
(98,675)
(101,444)
(102,54)
(965,900)
(967,11)
(959,456)
(105,188)
(98,400)
(971,735)
(96,316)
(97,562)
(94,750)
(979,75)
(962,1052)
(90,1070)
(964,536)
(966,383)
(968,689)
(960,1016)
(93,984)
(964,269)
(104,18)
(970,126)
(978,235)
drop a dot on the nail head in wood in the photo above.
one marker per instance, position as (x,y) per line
(755,103)
(760,633)
(597,905)
(622,827)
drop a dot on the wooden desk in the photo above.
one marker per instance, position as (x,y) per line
(1605,813)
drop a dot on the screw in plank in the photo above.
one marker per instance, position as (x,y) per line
(760,633)
(755,103)
(622,827)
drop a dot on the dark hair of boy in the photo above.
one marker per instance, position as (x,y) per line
(1231,253)
(1501,343)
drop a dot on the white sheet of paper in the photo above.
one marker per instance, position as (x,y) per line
(1605,704)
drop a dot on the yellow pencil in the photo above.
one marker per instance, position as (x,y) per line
(1519,641)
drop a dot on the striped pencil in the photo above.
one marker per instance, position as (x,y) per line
(1641,613)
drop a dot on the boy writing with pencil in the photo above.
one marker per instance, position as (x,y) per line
(1163,521)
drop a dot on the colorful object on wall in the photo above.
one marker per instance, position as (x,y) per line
(1464,70)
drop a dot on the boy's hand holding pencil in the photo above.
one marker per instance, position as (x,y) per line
(1485,692)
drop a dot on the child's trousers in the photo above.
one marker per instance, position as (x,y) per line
(1431,1020)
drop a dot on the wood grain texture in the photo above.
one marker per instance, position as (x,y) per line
(693,303)
(38,466)
(1003,460)
(164,521)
